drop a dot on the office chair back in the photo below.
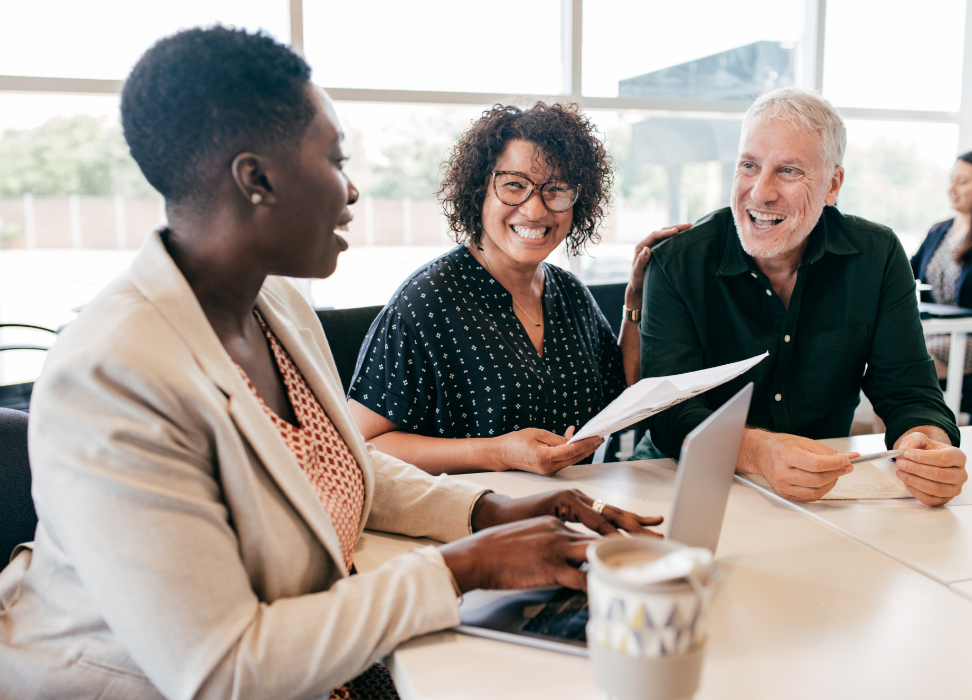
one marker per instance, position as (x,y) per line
(346,330)
(610,299)
(18,520)
(18,395)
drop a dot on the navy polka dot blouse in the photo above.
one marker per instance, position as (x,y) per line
(447,357)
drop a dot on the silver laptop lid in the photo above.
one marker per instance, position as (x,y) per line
(705,469)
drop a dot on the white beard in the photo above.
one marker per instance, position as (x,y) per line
(787,244)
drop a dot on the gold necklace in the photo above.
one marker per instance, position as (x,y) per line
(510,293)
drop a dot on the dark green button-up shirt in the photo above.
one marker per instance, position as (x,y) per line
(852,324)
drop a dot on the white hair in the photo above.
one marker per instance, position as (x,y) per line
(806,110)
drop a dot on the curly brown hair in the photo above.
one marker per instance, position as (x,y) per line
(568,142)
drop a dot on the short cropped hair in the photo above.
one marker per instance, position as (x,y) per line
(568,142)
(804,109)
(198,98)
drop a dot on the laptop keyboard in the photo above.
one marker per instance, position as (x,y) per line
(563,617)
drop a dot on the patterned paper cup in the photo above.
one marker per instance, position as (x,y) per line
(645,641)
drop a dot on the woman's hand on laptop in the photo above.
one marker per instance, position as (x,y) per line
(525,542)
(567,505)
(535,552)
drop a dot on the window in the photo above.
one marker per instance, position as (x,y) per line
(668,169)
(666,90)
(103,40)
(910,56)
(436,45)
(396,152)
(74,209)
(640,49)
(897,174)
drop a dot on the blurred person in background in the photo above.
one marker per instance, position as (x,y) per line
(943,260)
(488,358)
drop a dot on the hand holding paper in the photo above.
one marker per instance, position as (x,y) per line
(654,394)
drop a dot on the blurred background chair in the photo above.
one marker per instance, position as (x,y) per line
(346,330)
(17,395)
(610,298)
(18,520)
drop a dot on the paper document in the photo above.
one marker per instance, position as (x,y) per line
(654,394)
(866,482)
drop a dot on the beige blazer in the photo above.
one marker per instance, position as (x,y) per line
(180,551)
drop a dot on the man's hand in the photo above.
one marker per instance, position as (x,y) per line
(932,471)
(540,451)
(568,505)
(798,468)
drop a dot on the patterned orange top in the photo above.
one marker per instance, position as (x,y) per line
(319,449)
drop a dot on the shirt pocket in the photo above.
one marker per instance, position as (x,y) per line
(833,363)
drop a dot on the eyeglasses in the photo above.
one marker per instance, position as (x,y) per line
(514,189)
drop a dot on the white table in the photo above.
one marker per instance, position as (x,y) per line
(957,328)
(805,612)
(934,541)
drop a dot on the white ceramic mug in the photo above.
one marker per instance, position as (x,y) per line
(645,640)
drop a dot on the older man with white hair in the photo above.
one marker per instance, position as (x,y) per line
(830,296)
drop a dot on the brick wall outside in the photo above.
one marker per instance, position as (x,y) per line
(97,219)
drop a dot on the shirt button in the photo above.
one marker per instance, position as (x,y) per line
(786,339)
(754,275)
(779,397)
(769,293)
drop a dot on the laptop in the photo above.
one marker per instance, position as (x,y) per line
(929,310)
(556,618)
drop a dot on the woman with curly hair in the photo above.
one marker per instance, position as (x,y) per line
(488,358)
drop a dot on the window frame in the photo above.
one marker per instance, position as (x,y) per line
(810,63)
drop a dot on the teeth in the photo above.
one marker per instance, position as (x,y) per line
(342,227)
(767,217)
(531,234)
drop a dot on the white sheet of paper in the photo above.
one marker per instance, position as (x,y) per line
(654,394)
(866,482)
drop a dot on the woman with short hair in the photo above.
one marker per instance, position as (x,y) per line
(199,482)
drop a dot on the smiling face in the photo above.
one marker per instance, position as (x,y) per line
(781,185)
(525,234)
(960,192)
(313,194)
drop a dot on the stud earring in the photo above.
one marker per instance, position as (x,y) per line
(256,197)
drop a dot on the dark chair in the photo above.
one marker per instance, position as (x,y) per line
(610,299)
(346,330)
(17,517)
(18,395)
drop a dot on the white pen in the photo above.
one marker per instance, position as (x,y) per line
(876,456)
